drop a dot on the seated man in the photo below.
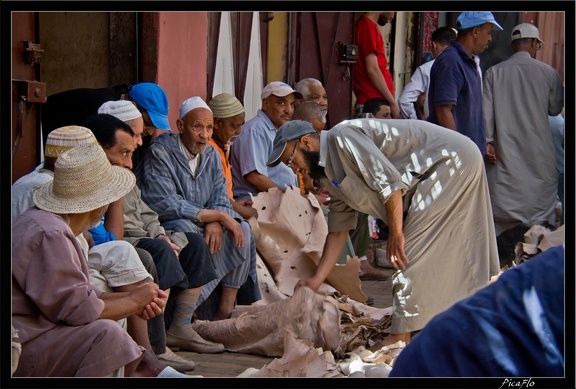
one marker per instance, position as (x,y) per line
(182,260)
(181,179)
(66,325)
(229,117)
(250,174)
(311,112)
(312,90)
(113,265)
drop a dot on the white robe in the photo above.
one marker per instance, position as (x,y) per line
(448,226)
(519,94)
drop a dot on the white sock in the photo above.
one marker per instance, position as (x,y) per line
(170,372)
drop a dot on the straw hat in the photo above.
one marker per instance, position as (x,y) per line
(84,180)
(225,106)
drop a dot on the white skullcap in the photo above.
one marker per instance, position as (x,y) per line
(122,109)
(192,103)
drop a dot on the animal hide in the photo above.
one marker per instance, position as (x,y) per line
(260,329)
(289,233)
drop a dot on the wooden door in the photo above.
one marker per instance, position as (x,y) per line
(314,43)
(27,94)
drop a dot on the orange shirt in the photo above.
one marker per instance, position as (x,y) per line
(226,167)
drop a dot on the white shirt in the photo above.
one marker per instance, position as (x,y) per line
(418,84)
(192,159)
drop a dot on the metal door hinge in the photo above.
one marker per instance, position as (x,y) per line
(32,52)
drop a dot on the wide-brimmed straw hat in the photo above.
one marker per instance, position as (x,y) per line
(84,180)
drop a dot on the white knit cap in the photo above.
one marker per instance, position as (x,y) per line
(64,138)
(192,103)
(122,109)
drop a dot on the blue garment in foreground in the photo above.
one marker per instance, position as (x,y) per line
(511,328)
(100,234)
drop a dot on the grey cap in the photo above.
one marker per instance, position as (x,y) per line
(293,129)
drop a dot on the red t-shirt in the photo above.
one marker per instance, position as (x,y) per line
(369,40)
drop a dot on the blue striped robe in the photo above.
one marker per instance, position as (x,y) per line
(169,188)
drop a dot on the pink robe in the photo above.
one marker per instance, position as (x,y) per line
(55,308)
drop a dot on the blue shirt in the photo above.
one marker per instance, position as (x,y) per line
(250,152)
(454,79)
(100,234)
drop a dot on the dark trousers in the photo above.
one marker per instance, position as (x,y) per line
(156,329)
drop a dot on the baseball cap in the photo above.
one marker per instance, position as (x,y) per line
(154,100)
(192,103)
(473,19)
(293,129)
(280,89)
(526,30)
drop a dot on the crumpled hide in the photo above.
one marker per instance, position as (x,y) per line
(361,325)
(289,233)
(260,329)
(300,359)
(536,240)
(363,363)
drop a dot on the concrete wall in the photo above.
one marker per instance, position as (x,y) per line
(182,53)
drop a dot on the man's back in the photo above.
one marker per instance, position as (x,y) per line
(520,81)
(519,94)
(369,40)
(419,83)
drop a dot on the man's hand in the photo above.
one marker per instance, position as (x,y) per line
(150,300)
(213,235)
(394,110)
(245,209)
(172,244)
(235,229)
(311,283)
(491,154)
(395,251)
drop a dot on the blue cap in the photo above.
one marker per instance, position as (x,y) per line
(154,100)
(475,19)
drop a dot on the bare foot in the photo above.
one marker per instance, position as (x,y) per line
(368,272)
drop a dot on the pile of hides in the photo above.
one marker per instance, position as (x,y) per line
(261,329)
(364,363)
(536,240)
(302,360)
(289,233)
